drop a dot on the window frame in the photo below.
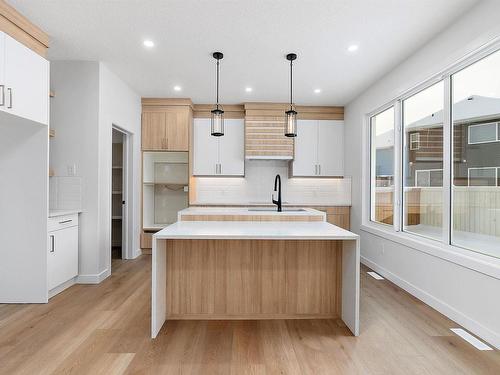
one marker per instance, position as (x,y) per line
(412,141)
(429,171)
(372,167)
(483,124)
(496,169)
(485,263)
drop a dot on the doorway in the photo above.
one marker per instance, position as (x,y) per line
(118,194)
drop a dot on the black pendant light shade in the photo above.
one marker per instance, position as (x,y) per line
(291,115)
(217,123)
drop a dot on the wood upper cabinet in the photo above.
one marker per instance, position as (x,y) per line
(319,150)
(177,123)
(24,81)
(165,127)
(154,131)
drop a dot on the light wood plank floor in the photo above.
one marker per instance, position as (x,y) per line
(104,329)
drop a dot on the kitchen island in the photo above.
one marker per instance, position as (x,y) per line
(255,270)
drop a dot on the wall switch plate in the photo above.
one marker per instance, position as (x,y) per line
(71,170)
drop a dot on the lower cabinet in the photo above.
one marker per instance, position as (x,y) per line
(62,247)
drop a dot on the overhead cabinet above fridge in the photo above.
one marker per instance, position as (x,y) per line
(319,149)
(218,156)
(24,81)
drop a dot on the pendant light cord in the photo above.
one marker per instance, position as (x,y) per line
(217,83)
(291,83)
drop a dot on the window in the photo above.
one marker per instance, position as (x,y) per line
(423,162)
(475,189)
(414,141)
(487,176)
(447,160)
(429,178)
(483,133)
(382,166)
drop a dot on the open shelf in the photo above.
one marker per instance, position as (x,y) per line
(165,182)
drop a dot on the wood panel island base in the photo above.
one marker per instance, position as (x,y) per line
(255,270)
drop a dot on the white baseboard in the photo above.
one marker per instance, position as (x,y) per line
(470,324)
(58,289)
(137,253)
(93,278)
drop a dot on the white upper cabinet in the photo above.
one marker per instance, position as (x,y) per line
(214,156)
(330,148)
(232,148)
(26,81)
(2,72)
(205,149)
(306,151)
(319,149)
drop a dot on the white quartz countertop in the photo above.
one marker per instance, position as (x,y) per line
(56,213)
(239,211)
(227,230)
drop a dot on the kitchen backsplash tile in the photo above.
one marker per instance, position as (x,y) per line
(65,193)
(258,183)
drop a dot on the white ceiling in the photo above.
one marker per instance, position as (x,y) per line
(254,37)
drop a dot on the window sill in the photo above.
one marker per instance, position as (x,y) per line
(487,265)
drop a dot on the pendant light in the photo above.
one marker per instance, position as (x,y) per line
(291,115)
(217,128)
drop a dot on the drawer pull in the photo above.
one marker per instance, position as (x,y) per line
(9,90)
(65,221)
(52,243)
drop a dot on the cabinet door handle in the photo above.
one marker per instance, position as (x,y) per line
(9,90)
(66,221)
(52,243)
(315,169)
(319,169)
(2,95)
(220,168)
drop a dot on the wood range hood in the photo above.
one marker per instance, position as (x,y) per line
(265,124)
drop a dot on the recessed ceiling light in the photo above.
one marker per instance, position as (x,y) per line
(248,89)
(353,48)
(148,43)
(177,88)
(317,91)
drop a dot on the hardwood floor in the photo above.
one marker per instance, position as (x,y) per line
(104,329)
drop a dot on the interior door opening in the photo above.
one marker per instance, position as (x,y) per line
(118,188)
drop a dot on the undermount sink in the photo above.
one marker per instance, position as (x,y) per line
(262,209)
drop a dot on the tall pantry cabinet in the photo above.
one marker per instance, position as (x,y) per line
(166,127)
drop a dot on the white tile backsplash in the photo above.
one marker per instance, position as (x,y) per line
(65,193)
(258,183)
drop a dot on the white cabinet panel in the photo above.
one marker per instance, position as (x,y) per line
(2,72)
(205,149)
(214,156)
(306,148)
(62,257)
(330,148)
(319,149)
(232,148)
(27,82)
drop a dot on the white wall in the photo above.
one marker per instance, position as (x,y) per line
(119,106)
(89,101)
(23,210)
(74,116)
(465,295)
